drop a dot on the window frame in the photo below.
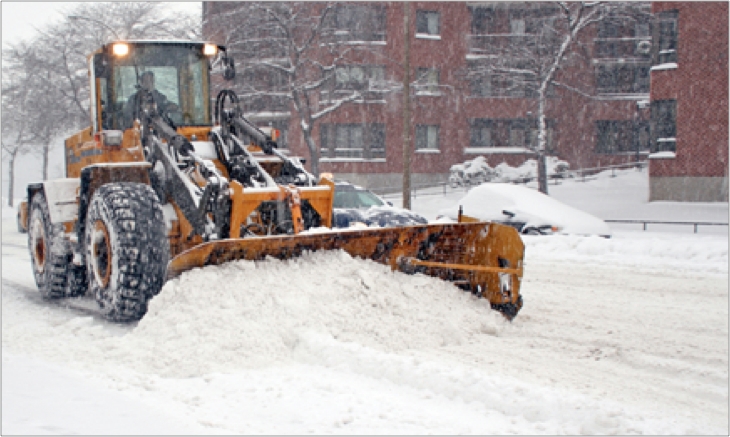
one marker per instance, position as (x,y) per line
(610,78)
(429,87)
(666,37)
(356,22)
(502,133)
(424,132)
(664,125)
(422,18)
(373,137)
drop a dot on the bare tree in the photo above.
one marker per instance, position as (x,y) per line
(45,81)
(87,27)
(296,53)
(17,137)
(529,61)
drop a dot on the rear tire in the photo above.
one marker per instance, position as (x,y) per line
(49,252)
(126,249)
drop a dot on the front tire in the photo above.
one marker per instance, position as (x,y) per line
(49,252)
(126,249)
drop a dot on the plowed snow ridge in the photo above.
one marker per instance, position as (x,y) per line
(260,312)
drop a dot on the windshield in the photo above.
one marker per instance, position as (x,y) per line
(179,80)
(356,199)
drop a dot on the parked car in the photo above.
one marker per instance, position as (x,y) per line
(355,204)
(527,210)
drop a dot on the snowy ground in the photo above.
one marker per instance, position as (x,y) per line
(627,335)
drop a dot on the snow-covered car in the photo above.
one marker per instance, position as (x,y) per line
(355,204)
(527,210)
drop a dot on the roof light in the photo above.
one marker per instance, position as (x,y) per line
(210,49)
(120,49)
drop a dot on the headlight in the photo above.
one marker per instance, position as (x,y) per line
(120,49)
(210,49)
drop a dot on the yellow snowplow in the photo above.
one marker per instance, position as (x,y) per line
(166,180)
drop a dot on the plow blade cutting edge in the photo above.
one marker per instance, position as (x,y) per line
(484,258)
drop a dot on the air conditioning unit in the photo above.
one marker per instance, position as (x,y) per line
(643,47)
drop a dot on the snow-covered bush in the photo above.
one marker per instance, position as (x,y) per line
(477,171)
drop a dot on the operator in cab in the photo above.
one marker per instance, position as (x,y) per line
(147,88)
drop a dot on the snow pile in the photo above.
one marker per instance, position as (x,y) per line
(528,169)
(699,253)
(217,319)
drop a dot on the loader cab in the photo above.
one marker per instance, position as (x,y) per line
(181,75)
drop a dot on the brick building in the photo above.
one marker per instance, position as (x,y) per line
(456,116)
(689,102)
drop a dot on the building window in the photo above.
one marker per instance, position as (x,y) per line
(357,23)
(355,141)
(520,133)
(664,125)
(622,79)
(504,86)
(667,30)
(621,136)
(368,80)
(512,18)
(428,22)
(427,137)
(359,77)
(517,26)
(427,81)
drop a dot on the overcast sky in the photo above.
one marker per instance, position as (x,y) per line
(21,19)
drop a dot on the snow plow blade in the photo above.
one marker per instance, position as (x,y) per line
(484,258)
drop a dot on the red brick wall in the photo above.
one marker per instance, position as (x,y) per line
(700,86)
(574,115)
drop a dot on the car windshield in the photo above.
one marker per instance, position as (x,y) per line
(356,199)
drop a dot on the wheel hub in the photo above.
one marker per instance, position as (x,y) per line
(101,254)
(38,244)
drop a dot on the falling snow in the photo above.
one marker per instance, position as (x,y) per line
(618,336)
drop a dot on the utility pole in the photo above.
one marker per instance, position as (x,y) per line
(407,106)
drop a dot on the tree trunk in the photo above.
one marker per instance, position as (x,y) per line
(11,176)
(407,107)
(313,153)
(542,184)
(46,152)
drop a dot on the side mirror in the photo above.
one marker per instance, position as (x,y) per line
(229,69)
(101,65)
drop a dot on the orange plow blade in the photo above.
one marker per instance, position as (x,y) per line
(484,258)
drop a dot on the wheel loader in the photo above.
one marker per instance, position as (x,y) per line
(167,179)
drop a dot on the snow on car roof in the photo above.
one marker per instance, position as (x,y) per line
(488,201)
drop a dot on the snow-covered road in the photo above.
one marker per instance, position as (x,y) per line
(627,335)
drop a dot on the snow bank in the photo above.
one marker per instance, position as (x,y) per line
(688,252)
(218,319)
